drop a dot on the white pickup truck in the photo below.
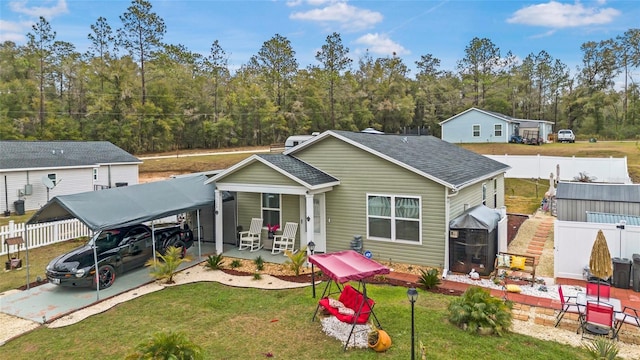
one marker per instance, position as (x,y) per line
(566,135)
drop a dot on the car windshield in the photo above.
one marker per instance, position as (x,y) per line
(106,239)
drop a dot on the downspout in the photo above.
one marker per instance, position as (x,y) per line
(450,192)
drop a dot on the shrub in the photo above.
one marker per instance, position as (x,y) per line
(215,262)
(259,262)
(236,263)
(169,345)
(166,268)
(429,279)
(602,349)
(257,276)
(476,310)
(296,260)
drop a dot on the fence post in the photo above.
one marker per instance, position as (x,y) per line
(56,231)
(12,228)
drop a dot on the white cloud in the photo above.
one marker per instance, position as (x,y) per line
(15,31)
(350,18)
(557,15)
(36,11)
(381,44)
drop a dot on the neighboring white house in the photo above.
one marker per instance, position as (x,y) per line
(32,172)
(481,126)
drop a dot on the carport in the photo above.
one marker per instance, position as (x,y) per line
(122,206)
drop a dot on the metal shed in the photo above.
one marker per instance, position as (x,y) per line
(575,199)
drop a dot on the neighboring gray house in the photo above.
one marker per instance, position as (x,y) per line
(482,126)
(32,172)
(399,192)
(575,200)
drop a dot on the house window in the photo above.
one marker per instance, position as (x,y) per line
(95,174)
(270,209)
(484,194)
(52,177)
(394,218)
(497,130)
(495,193)
(476,130)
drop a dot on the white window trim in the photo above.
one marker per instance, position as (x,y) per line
(495,131)
(95,175)
(393,218)
(484,193)
(473,130)
(279,210)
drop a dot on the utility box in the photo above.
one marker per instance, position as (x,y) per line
(636,272)
(621,272)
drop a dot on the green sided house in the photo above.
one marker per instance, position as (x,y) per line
(398,192)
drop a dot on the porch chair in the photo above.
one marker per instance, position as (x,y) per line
(570,306)
(599,286)
(598,320)
(629,316)
(251,239)
(287,240)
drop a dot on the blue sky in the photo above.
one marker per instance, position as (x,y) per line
(407,28)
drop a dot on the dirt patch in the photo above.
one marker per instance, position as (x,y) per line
(514,221)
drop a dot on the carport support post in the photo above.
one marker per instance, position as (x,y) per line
(95,260)
(26,246)
(199,247)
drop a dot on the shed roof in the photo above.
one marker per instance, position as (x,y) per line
(478,217)
(20,155)
(429,156)
(129,205)
(609,218)
(629,193)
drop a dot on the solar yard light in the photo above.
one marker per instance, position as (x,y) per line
(412,294)
(312,246)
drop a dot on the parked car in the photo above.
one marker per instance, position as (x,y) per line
(118,250)
(566,135)
(515,139)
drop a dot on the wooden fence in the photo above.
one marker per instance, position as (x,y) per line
(39,235)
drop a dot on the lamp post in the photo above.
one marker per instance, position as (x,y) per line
(312,247)
(412,294)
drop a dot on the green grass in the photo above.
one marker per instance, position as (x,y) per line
(38,260)
(240,323)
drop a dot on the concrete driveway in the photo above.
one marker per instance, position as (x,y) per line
(48,302)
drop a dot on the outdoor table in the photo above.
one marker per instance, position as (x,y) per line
(582,298)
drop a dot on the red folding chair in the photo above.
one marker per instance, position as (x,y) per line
(598,320)
(629,316)
(569,305)
(595,287)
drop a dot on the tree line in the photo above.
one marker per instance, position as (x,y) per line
(134,90)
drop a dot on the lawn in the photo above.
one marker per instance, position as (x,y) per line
(241,323)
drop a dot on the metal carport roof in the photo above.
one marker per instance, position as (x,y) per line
(129,205)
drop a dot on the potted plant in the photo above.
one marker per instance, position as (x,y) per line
(271,230)
(378,339)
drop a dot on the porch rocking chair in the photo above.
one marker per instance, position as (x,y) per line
(287,240)
(252,239)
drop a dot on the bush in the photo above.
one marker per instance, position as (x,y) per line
(296,260)
(259,262)
(236,264)
(429,279)
(167,267)
(169,345)
(602,349)
(215,262)
(476,310)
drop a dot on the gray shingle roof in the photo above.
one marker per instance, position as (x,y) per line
(298,168)
(602,192)
(427,154)
(52,154)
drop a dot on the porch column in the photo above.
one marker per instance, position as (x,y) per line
(217,216)
(309,220)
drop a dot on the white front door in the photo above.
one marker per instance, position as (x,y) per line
(319,223)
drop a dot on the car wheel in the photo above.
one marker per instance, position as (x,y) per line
(106,276)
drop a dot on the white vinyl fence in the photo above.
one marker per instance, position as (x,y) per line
(41,234)
(608,170)
(573,242)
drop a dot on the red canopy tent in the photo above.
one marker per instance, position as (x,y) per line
(344,266)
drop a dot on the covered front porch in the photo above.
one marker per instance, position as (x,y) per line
(230,250)
(276,189)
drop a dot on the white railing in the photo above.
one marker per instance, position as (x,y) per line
(41,234)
